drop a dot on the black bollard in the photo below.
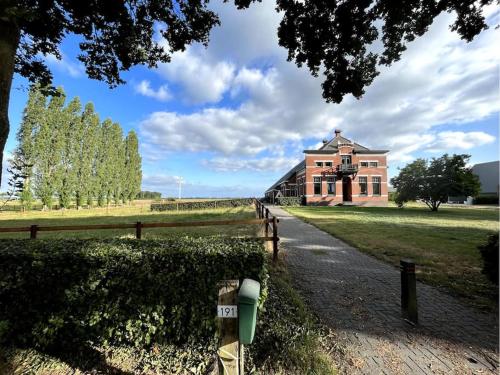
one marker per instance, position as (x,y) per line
(409,308)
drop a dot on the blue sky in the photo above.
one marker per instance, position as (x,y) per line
(231,118)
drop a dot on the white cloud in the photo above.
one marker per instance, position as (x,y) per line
(201,81)
(459,140)
(75,70)
(440,80)
(161,94)
(221,164)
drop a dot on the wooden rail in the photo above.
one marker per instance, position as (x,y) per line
(270,223)
(34,229)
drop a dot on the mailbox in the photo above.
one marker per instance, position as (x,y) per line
(248,297)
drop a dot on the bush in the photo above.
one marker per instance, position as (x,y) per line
(55,293)
(486,199)
(186,206)
(489,253)
(288,201)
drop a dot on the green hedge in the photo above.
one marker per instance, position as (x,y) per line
(489,253)
(134,292)
(486,199)
(186,206)
(288,201)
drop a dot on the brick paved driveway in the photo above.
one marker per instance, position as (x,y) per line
(359,297)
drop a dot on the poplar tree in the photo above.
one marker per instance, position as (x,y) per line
(103,175)
(70,135)
(86,156)
(48,145)
(24,155)
(133,172)
(116,163)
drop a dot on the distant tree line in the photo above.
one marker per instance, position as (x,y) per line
(148,195)
(67,154)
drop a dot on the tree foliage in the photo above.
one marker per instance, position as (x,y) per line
(433,182)
(68,154)
(336,37)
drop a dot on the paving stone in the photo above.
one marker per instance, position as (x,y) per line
(359,297)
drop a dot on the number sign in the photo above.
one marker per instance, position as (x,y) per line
(227,311)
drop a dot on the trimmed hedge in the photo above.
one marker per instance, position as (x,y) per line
(288,201)
(486,199)
(489,253)
(122,291)
(186,206)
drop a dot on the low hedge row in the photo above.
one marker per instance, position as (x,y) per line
(186,206)
(55,293)
(489,253)
(486,199)
(288,201)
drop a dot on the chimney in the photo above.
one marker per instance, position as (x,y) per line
(337,132)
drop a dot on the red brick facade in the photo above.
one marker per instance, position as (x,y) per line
(341,171)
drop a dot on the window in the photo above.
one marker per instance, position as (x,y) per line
(317,185)
(363,186)
(328,163)
(319,163)
(376,185)
(346,159)
(373,164)
(364,164)
(330,185)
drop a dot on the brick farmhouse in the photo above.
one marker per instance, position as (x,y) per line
(340,171)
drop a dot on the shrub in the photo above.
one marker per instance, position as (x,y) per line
(61,292)
(288,201)
(486,199)
(489,253)
(185,206)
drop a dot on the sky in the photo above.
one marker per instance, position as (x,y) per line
(232,118)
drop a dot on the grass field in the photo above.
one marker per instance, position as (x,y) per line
(443,244)
(124,215)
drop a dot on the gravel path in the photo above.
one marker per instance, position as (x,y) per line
(359,297)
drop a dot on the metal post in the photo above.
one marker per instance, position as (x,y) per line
(409,308)
(138,230)
(33,230)
(275,239)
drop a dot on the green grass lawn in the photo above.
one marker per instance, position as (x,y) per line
(443,244)
(126,215)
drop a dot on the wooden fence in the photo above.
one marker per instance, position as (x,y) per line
(268,231)
(270,226)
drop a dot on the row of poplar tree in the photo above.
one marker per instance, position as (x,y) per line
(68,155)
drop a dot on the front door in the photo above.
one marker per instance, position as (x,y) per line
(346,189)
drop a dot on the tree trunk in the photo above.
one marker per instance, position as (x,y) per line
(9,40)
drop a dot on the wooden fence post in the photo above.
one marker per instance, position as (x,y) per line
(33,230)
(138,230)
(267,224)
(275,239)
(229,350)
